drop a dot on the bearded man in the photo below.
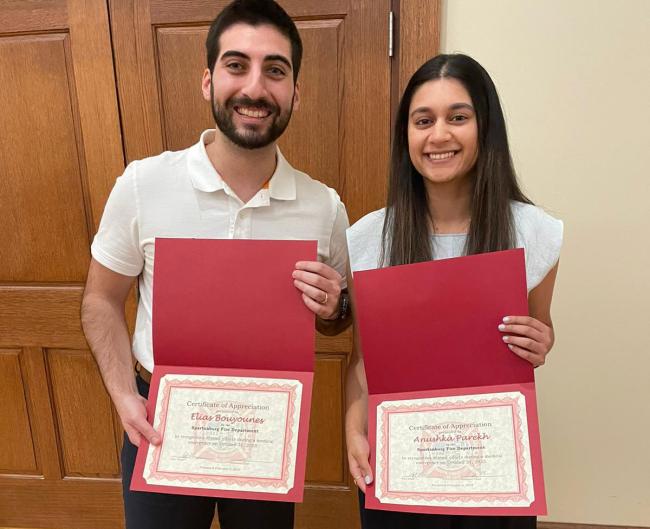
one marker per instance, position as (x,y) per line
(233,183)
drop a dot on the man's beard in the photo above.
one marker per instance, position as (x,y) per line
(249,138)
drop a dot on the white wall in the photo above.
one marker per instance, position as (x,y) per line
(574,79)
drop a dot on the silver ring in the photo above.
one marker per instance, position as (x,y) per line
(325,300)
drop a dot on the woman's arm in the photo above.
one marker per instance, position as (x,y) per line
(356,422)
(356,415)
(532,337)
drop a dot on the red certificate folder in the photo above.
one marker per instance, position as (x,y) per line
(430,330)
(229,307)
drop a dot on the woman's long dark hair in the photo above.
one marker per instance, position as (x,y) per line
(406,237)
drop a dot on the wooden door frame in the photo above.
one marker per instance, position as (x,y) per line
(412,48)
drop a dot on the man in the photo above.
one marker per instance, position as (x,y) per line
(234,183)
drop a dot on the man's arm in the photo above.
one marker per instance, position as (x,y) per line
(104,324)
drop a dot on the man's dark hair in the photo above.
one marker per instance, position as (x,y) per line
(254,13)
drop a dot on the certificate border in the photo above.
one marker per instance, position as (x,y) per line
(384,454)
(295,492)
(282,481)
(538,505)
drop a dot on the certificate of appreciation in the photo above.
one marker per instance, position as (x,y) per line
(230,391)
(225,432)
(453,451)
(452,412)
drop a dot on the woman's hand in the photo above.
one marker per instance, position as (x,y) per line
(528,338)
(358,459)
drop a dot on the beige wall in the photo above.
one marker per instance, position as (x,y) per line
(574,79)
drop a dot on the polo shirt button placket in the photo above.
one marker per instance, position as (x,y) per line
(243,231)
(231,227)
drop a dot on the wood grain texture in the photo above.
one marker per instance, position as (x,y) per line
(84,415)
(328,509)
(417,36)
(202,11)
(365,113)
(56,73)
(99,123)
(15,18)
(181,61)
(69,504)
(46,316)
(17,455)
(326,452)
(41,412)
(137,85)
(311,142)
(41,174)
(342,343)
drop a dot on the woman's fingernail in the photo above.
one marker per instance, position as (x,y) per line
(368,480)
(511,347)
(506,319)
(502,327)
(506,338)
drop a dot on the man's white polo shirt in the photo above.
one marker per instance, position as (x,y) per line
(180,194)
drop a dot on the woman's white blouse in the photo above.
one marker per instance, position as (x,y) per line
(537,232)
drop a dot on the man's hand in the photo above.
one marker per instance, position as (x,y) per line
(321,287)
(528,338)
(132,410)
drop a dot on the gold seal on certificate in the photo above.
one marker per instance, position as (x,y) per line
(469,450)
(225,432)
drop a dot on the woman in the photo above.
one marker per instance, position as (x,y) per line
(452,192)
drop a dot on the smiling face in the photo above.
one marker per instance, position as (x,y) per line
(251,89)
(442,132)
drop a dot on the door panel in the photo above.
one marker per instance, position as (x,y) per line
(344,82)
(15,431)
(38,180)
(325,443)
(87,436)
(63,147)
(59,156)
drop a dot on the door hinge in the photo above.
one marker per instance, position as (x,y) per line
(390,33)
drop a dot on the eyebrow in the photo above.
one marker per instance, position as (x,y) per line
(242,55)
(278,57)
(455,106)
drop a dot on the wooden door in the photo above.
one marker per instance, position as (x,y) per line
(340,135)
(59,154)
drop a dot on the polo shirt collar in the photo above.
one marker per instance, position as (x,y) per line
(282,184)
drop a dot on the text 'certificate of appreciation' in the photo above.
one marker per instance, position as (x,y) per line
(232,433)
(450,450)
